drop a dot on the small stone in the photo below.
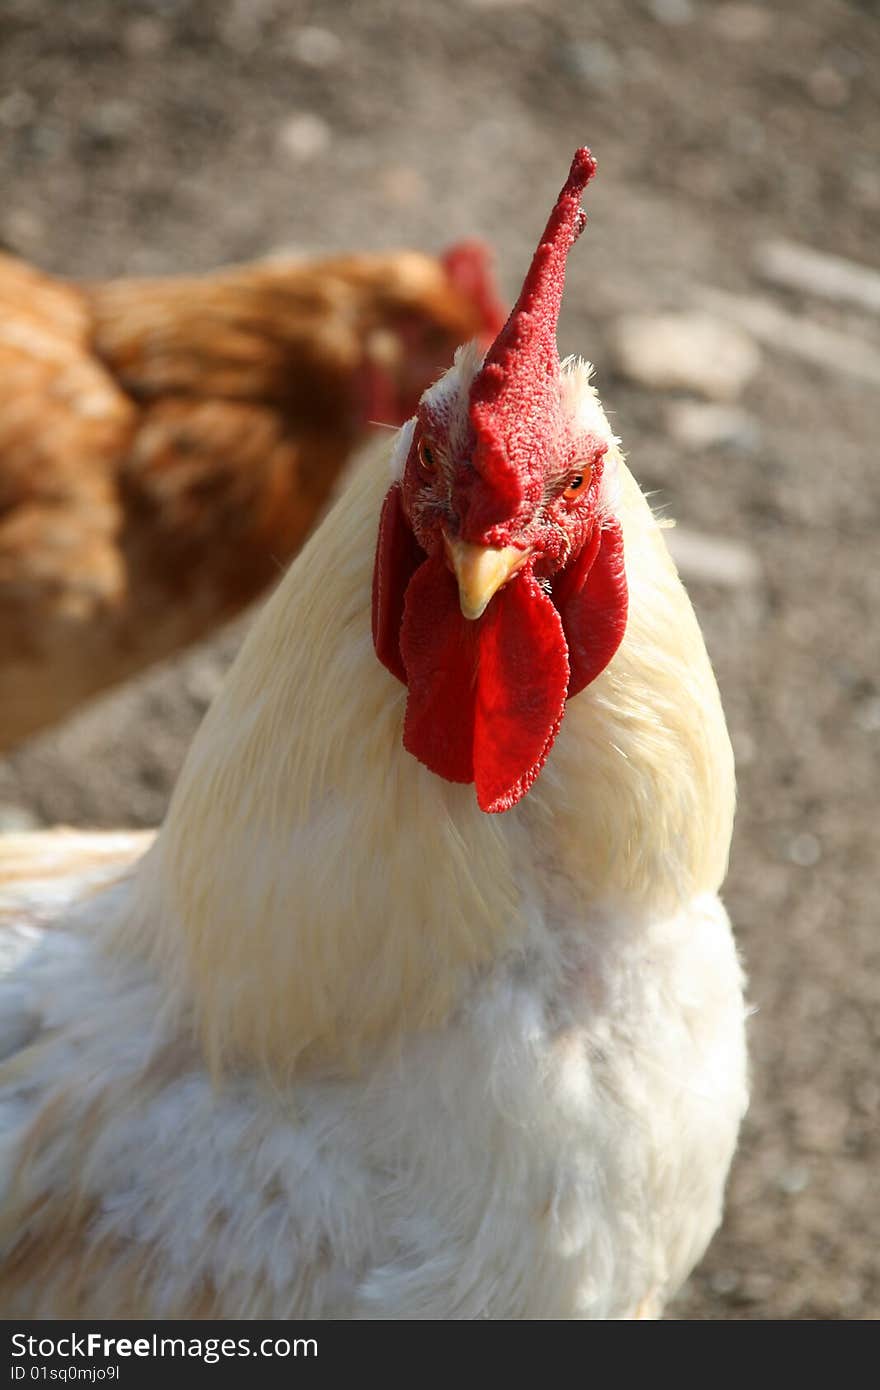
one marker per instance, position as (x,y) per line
(828,88)
(144,36)
(316,47)
(47,140)
(671,12)
(742,23)
(241,28)
(304,135)
(744,747)
(693,352)
(111,120)
(798,334)
(16,818)
(804,849)
(810,272)
(712,559)
(865,185)
(848,675)
(202,681)
(699,425)
(17,109)
(848,61)
(22,228)
(724,1282)
(594,63)
(403,184)
(746,134)
(793,1180)
(868,714)
(642,64)
(757,1288)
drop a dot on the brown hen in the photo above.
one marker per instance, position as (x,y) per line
(166,445)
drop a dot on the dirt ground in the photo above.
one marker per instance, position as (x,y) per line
(152,137)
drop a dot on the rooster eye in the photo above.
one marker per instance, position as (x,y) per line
(578,484)
(426,456)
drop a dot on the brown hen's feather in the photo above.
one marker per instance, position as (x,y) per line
(166,445)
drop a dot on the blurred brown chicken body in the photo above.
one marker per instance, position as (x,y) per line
(166,445)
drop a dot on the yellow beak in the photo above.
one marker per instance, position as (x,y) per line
(481,570)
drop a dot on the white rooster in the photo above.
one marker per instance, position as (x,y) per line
(422,1004)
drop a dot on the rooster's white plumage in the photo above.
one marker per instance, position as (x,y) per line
(342,1044)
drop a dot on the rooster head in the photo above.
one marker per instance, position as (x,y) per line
(499,588)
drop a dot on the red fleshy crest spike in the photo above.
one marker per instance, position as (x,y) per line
(515,396)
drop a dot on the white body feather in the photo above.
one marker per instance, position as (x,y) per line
(343,1045)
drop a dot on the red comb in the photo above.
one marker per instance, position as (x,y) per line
(515,396)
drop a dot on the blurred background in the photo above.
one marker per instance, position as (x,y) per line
(741,369)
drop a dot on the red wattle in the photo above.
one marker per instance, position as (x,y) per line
(439,650)
(592,598)
(522,680)
(486,698)
(398,556)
